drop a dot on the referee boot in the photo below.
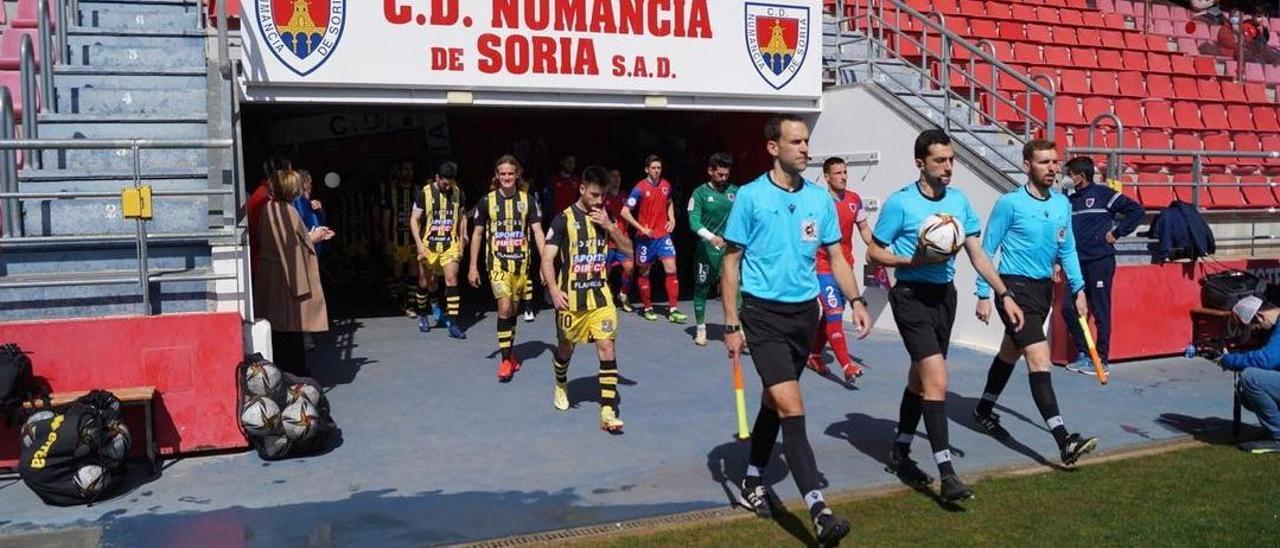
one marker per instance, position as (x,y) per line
(830,528)
(1077,446)
(955,490)
(609,421)
(759,498)
(990,423)
(907,470)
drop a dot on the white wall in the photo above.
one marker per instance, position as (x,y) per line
(855,121)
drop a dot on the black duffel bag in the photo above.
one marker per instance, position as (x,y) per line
(1222,290)
(67,456)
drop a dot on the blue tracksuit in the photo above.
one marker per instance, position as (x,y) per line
(1094,211)
(1031,235)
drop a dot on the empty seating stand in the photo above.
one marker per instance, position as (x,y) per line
(1101,61)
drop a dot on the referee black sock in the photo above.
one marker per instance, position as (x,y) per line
(997,378)
(764,434)
(1047,402)
(908,420)
(935,422)
(804,469)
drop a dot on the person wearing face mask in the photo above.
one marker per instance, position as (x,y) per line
(1099,217)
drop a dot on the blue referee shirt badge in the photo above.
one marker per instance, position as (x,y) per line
(1062,235)
(791,208)
(810,233)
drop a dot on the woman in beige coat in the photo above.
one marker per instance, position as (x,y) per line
(286,276)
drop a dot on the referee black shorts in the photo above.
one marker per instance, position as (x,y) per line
(924,313)
(1035,298)
(780,335)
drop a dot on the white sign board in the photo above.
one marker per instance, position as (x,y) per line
(741,52)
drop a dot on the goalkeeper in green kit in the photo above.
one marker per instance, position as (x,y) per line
(708,212)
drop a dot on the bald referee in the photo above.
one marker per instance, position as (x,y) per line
(776,226)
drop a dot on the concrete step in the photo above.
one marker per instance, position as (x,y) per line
(47,303)
(149,6)
(123,176)
(123,159)
(92,100)
(99,257)
(102,216)
(95,126)
(79,37)
(112,18)
(118,57)
(69,77)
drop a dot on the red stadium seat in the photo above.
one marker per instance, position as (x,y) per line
(1135,41)
(1094,107)
(1154,191)
(1067,111)
(1074,82)
(1154,139)
(946,6)
(1088,37)
(1264,119)
(1026,53)
(1241,117)
(1093,19)
(1012,31)
(1183,141)
(1209,89)
(1157,43)
(1205,66)
(998,10)
(1132,84)
(1233,92)
(1039,33)
(1103,83)
(1159,113)
(1257,93)
(1084,58)
(1111,59)
(1023,12)
(1184,87)
(1113,21)
(1064,36)
(973,8)
(1248,142)
(1057,56)
(983,29)
(1217,142)
(1258,192)
(1130,113)
(1223,192)
(1186,115)
(1070,18)
(1214,116)
(1158,62)
(1048,14)
(1182,64)
(1160,86)
(1135,60)
(1271,166)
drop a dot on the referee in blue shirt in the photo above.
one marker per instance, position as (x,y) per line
(923,300)
(1030,228)
(774,230)
(1099,217)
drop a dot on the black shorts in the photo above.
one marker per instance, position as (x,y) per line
(1035,298)
(924,313)
(780,335)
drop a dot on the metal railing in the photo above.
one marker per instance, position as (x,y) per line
(960,83)
(1115,165)
(12,211)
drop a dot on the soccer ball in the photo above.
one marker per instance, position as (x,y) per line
(89,432)
(941,235)
(118,442)
(262,379)
(275,446)
(304,391)
(300,420)
(260,416)
(90,480)
(33,422)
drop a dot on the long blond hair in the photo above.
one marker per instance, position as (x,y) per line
(284,185)
(505,159)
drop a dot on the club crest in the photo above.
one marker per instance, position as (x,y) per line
(302,34)
(777,40)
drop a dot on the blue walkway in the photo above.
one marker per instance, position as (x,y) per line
(436,451)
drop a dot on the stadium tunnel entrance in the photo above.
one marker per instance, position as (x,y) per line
(353,152)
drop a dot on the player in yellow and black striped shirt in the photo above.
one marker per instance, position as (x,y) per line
(509,216)
(439,204)
(579,241)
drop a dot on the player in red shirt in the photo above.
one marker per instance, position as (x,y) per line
(563,186)
(652,213)
(614,201)
(849,209)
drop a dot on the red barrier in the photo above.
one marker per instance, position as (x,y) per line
(233,13)
(189,358)
(1151,307)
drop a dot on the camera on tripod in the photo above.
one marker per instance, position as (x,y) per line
(1214,329)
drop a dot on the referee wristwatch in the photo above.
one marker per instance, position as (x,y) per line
(731,329)
(859,299)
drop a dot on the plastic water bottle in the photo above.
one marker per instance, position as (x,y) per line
(1189,351)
